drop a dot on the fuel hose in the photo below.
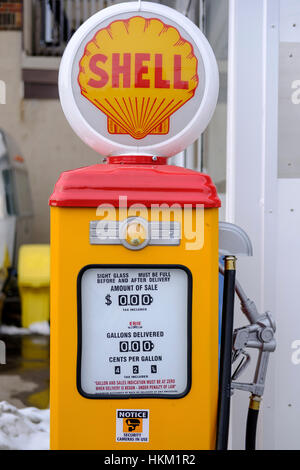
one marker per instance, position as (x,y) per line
(252,418)
(226,354)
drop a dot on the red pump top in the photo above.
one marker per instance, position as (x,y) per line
(141,183)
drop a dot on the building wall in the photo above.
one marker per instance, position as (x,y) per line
(47,142)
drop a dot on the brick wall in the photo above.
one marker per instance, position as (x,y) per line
(10,14)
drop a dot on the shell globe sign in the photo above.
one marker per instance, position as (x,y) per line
(138,78)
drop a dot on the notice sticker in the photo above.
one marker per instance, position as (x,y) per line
(134,331)
(132,426)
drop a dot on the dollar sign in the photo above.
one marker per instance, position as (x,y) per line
(108,300)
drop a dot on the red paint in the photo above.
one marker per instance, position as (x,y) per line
(140,70)
(137,159)
(98,71)
(118,69)
(178,83)
(142,183)
(19,158)
(177,58)
(159,81)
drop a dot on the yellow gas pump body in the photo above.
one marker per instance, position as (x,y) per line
(78,422)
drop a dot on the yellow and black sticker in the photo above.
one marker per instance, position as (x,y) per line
(132,426)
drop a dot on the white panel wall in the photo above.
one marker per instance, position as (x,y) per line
(252,169)
(266,206)
(286,380)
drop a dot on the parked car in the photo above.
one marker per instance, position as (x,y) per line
(16,216)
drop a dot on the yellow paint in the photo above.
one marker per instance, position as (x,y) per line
(33,282)
(5,265)
(254,402)
(7,260)
(81,423)
(40,399)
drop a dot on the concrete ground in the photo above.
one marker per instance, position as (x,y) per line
(24,379)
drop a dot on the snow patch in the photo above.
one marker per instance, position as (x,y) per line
(41,328)
(25,429)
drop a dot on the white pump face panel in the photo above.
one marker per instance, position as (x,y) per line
(128,346)
(138,78)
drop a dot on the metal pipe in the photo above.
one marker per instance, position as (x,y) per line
(248,306)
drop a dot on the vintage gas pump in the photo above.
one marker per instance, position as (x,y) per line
(134,242)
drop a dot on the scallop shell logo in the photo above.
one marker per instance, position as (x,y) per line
(138,72)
